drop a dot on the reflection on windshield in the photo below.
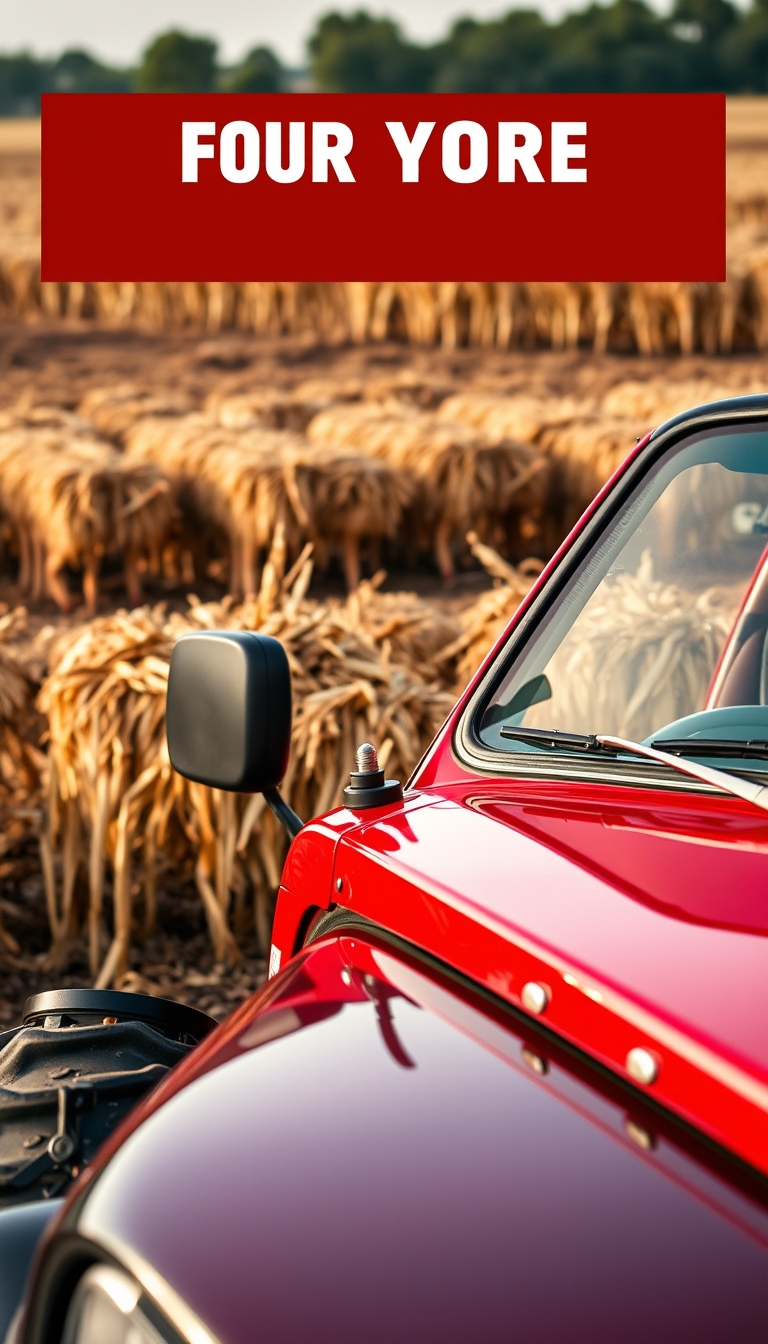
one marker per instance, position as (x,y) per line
(641,654)
(668,616)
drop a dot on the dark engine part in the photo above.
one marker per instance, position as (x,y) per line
(79,1062)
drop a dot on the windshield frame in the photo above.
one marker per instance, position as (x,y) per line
(468,748)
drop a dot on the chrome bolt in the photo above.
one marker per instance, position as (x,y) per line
(61,1147)
(535,997)
(367,759)
(339,883)
(642,1066)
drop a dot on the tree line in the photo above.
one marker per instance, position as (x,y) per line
(174,63)
(625,46)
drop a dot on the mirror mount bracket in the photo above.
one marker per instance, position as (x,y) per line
(283,812)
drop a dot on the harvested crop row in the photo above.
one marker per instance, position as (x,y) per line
(584,440)
(461,479)
(70,498)
(461,454)
(364,472)
(246,482)
(650,318)
(518,469)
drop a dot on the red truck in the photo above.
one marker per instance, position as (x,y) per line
(509,1075)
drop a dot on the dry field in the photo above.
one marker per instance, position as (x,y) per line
(381,507)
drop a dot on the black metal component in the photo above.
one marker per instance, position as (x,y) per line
(77,1066)
(555,740)
(62,1146)
(366,779)
(283,812)
(378,795)
(88,1007)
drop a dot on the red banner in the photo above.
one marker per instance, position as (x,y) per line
(613,187)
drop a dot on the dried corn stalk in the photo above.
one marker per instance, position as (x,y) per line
(224,483)
(583,446)
(245,482)
(343,498)
(519,416)
(70,498)
(270,408)
(652,318)
(463,480)
(23,766)
(294,408)
(114,410)
(485,621)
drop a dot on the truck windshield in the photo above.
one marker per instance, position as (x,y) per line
(661,635)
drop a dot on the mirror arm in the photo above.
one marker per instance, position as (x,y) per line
(283,812)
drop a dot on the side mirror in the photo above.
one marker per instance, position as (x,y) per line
(228,716)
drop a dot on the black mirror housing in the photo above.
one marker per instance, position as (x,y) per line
(228,717)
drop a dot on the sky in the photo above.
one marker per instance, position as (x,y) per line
(118,30)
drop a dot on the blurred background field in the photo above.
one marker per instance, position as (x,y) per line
(374,473)
(651,318)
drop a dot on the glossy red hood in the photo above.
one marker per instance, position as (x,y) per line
(371,1150)
(644,914)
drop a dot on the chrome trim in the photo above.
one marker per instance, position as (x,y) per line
(121,1288)
(170,1303)
(642,1066)
(466,746)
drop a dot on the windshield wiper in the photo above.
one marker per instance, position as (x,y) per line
(552,737)
(606,744)
(754,749)
(719,779)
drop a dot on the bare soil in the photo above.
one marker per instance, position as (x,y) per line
(57,364)
(176,963)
